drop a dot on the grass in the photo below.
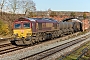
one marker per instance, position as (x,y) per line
(77,53)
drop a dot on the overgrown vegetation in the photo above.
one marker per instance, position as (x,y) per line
(73,14)
(78,52)
(84,15)
(4,29)
(53,13)
(6,22)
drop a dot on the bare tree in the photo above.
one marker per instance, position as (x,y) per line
(28,6)
(2,4)
(13,5)
(21,6)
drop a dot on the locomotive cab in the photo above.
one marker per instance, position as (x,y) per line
(22,32)
(22,29)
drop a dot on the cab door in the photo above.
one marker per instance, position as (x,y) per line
(34,27)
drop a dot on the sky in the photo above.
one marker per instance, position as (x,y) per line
(63,5)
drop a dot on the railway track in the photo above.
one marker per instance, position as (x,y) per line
(5,45)
(43,54)
(10,50)
(6,48)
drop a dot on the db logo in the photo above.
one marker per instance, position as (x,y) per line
(22,31)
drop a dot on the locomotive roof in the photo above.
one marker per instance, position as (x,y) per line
(38,20)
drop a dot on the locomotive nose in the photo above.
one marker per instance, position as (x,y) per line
(22,33)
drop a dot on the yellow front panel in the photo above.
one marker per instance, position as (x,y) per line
(23,32)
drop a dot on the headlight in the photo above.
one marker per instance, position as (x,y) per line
(28,34)
(15,35)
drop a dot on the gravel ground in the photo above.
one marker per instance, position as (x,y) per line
(66,51)
(16,55)
(4,42)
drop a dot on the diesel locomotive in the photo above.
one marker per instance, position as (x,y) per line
(27,31)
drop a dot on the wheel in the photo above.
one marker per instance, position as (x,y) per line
(44,36)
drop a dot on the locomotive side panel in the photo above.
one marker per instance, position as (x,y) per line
(42,27)
(33,27)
